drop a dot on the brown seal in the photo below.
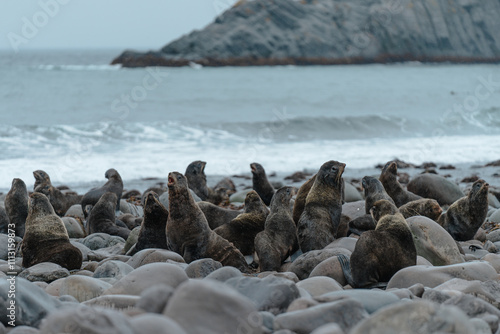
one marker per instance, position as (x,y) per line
(61,202)
(374,191)
(389,179)
(241,231)
(16,205)
(114,185)
(380,253)
(188,233)
(300,199)
(261,184)
(197,181)
(41,179)
(435,187)
(320,219)
(102,217)
(46,238)
(217,216)
(276,243)
(423,207)
(152,233)
(464,217)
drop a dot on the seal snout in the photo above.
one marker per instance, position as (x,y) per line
(253,168)
(171,180)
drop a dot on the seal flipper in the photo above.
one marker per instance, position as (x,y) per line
(345,263)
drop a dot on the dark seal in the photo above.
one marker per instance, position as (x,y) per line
(261,184)
(380,253)
(46,238)
(374,191)
(423,207)
(464,217)
(217,216)
(102,217)
(197,181)
(188,233)
(320,219)
(114,185)
(41,179)
(389,179)
(16,205)
(300,199)
(241,231)
(276,243)
(153,227)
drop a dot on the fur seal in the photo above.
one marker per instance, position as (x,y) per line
(152,233)
(41,179)
(464,217)
(423,207)
(380,253)
(362,224)
(320,219)
(389,179)
(217,216)
(61,202)
(374,191)
(261,184)
(276,243)
(102,217)
(197,181)
(300,199)
(4,221)
(16,205)
(241,231)
(114,185)
(188,233)
(435,187)
(46,238)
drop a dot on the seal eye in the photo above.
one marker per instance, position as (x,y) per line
(179,177)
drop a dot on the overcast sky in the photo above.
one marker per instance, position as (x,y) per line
(147,24)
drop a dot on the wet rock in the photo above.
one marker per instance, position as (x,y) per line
(304,264)
(416,317)
(202,268)
(146,276)
(112,269)
(32,303)
(88,320)
(209,307)
(433,242)
(82,287)
(115,302)
(328,329)
(154,323)
(155,298)
(223,274)
(331,268)
(434,276)
(44,272)
(132,239)
(153,255)
(318,286)
(76,212)
(272,294)
(345,313)
(101,240)
(372,300)
(74,228)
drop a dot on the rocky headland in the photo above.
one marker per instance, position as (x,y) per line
(311,32)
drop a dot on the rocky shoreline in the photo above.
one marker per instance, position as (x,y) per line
(283,32)
(452,289)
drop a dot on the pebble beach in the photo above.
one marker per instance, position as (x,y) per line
(454,288)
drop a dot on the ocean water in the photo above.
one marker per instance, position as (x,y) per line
(73,115)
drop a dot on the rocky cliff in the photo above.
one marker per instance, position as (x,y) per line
(279,32)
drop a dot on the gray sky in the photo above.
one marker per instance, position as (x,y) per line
(147,24)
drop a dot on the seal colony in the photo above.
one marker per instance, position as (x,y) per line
(267,244)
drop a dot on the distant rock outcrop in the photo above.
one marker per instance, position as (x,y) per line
(281,32)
